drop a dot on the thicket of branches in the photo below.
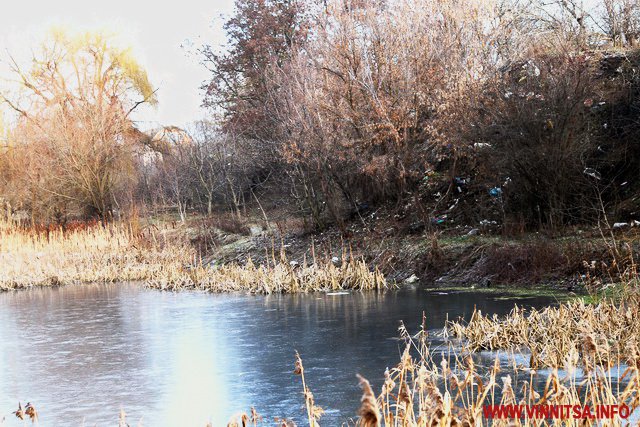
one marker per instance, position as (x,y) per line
(199,168)
(518,111)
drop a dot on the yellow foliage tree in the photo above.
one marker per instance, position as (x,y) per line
(74,103)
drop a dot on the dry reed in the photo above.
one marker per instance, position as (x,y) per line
(278,277)
(452,390)
(244,420)
(420,391)
(564,334)
(114,253)
(314,412)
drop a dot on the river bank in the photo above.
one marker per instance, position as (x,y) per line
(571,337)
(96,253)
(220,254)
(572,260)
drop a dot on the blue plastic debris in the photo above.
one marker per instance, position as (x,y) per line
(439,219)
(495,192)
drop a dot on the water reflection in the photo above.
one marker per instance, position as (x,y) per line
(82,353)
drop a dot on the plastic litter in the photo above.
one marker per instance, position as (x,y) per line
(634,223)
(592,173)
(412,279)
(495,192)
(459,181)
(481,145)
(439,219)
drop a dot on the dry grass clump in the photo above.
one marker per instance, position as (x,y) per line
(273,277)
(94,254)
(244,420)
(573,332)
(115,253)
(28,412)
(451,390)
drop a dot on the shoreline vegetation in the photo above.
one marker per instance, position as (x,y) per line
(579,353)
(116,253)
(222,254)
(555,336)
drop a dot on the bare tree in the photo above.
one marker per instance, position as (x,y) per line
(621,21)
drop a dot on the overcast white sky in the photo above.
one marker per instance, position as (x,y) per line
(154,29)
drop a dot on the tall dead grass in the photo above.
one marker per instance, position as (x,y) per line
(423,390)
(555,336)
(55,257)
(450,389)
(279,276)
(115,253)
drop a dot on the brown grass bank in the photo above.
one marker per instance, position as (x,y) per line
(116,252)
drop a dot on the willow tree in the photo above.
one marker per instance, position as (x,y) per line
(74,102)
